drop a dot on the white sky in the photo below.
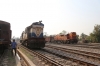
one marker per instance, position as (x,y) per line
(57,15)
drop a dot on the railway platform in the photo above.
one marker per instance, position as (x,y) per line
(23,60)
(12,60)
(17,60)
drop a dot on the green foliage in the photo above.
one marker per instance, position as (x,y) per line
(83,36)
(95,35)
(63,32)
(60,33)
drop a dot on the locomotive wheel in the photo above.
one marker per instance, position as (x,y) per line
(23,43)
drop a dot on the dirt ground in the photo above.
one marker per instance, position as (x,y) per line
(9,59)
(32,57)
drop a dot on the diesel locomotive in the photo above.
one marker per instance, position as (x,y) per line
(33,37)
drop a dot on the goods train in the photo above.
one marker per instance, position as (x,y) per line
(5,34)
(33,37)
(69,38)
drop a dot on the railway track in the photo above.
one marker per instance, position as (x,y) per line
(85,45)
(49,61)
(2,53)
(60,58)
(93,46)
(86,58)
(74,56)
(56,57)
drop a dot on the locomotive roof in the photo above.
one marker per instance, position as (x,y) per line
(4,22)
(34,23)
(37,23)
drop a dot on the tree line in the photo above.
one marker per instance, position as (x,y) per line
(94,36)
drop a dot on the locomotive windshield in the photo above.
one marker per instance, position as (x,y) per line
(37,29)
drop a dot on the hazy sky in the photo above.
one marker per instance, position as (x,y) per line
(57,15)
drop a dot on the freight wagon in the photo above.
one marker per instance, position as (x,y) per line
(5,33)
(32,37)
(49,39)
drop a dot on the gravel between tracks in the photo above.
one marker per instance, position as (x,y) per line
(58,59)
(35,60)
(32,57)
(88,45)
(78,48)
(8,59)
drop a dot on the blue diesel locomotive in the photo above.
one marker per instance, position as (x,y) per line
(33,37)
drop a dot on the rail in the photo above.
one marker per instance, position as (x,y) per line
(47,60)
(83,53)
